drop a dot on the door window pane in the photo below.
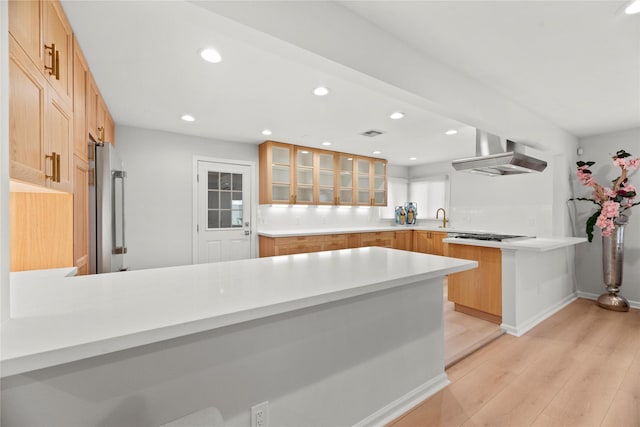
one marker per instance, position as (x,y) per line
(224,200)
(214,199)
(237,182)
(213,180)
(214,219)
(225,219)
(225,181)
(326,195)
(346,196)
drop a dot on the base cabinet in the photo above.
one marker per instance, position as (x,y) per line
(479,291)
(429,242)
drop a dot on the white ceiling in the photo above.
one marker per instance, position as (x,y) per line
(579,69)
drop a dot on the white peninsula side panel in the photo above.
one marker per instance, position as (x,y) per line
(352,337)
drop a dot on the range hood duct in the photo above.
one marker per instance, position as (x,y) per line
(491,159)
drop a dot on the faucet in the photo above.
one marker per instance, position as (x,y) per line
(444,217)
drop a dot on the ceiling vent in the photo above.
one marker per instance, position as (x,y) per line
(371,133)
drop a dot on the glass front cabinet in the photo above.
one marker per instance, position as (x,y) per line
(291,174)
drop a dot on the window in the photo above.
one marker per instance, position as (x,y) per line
(430,194)
(396,196)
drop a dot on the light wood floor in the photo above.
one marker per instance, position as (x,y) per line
(463,334)
(580,367)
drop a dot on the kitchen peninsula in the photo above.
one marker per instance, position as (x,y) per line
(306,331)
(531,279)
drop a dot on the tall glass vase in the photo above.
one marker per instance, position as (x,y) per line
(612,260)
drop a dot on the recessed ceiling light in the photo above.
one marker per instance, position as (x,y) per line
(413,158)
(266,132)
(451,132)
(320,91)
(397,115)
(188,118)
(326,143)
(377,152)
(210,55)
(633,7)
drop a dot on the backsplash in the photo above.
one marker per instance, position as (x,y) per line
(529,220)
(273,217)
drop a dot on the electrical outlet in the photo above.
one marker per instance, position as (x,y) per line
(260,415)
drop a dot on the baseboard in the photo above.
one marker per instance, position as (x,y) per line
(526,326)
(589,295)
(403,404)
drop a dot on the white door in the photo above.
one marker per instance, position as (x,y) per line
(224,212)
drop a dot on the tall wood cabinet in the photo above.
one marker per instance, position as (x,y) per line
(40,126)
(55,109)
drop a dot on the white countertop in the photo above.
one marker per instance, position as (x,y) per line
(19,277)
(538,244)
(61,320)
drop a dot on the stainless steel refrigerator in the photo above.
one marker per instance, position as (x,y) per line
(107,210)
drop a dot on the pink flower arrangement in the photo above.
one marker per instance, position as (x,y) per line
(611,201)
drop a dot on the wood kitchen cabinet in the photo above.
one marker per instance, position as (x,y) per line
(100,125)
(291,174)
(384,239)
(314,176)
(345,189)
(429,242)
(41,28)
(41,230)
(276,168)
(403,240)
(40,126)
(477,292)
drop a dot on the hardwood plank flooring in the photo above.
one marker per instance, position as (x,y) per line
(580,367)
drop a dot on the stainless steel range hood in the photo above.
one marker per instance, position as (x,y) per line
(492,159)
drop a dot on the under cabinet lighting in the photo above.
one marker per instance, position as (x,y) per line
(188,118)
(210,55)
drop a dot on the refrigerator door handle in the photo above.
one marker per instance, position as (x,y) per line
(117,249)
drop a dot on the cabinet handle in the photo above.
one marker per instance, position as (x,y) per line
(55,166)
(57,64)
(57,170)
(92,177)
(101,134)
(52,69)
(51,156)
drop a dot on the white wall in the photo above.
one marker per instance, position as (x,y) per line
(599,149)
(159,192)
(518,204)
